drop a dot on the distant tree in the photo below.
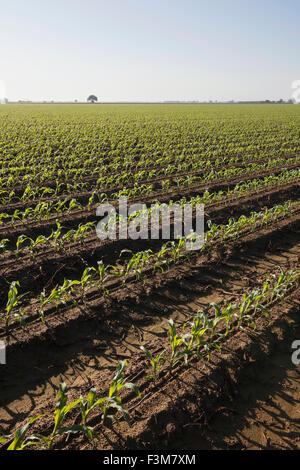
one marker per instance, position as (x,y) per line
(92,98)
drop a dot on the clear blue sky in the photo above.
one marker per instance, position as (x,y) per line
(149,49)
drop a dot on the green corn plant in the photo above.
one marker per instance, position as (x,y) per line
(92,199)
(155,361)
(228,315)
(28,193)
(250,304)
(17,215)
(87,405)
(160,261)
(56,235)
(3,244)
(208,326)
(113,401)
(12,303)
(212,323)
(40,240)
(20,440)
(134,265)
(21,240)
(20,317)
(195,340)
(60,206)
(61,412)
(69,235)
(74,205)
(11,196)
(107,404)
(85,280)
(65,290)
(44,192)
(146,257)
(165,185)
(130,267)
(54,296)
(212,233)
(175,342)
(82,231)
(176,249)
(3,216)
(25,215)
(279,285)
(104,274)
(204,339)
(265,292)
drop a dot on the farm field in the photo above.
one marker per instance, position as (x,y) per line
(151,345)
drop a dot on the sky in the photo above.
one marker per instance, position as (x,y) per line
(142,50)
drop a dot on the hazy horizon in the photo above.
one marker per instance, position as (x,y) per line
(160,51)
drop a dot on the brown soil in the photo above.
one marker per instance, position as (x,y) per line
(264,412)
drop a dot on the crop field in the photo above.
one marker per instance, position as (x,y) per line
(140,343)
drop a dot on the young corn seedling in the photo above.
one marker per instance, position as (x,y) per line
(21,240)
(103,272)
(203,342)
(213,322)
(68,236)
(74,205)
(113,401)
(16,216)
(250,303)
(86,280)
(155,361)
(3,244)
(65,291)
(210,325)
(20,316)
(12,302)
(197,331)
(55,236)
(3,216)
(189,344)
(60,414)
(83,230)
(175,342)
(228,314)
(131,266)
(176,249)
(265,292)
(146,257)
(87,405)
(92,199)
(212,233)
(21,441)
(54,297)
(280,284)
(160,261)
(40,240)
